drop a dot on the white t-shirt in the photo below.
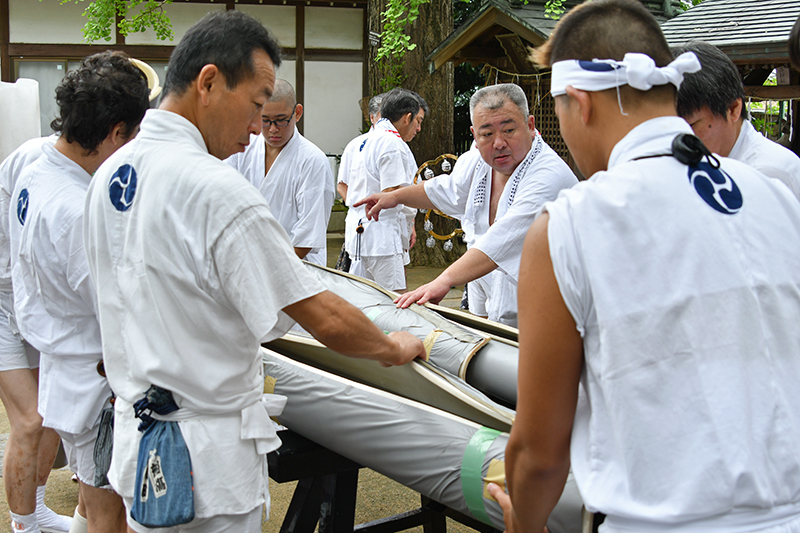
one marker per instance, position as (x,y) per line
(54,297)
(298,189)
(768,157)
(465,195)
(687,296)
(387,162)
(192,273)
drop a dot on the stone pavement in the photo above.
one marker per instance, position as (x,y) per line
(378,496)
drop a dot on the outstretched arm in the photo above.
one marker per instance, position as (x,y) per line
(468,267)
(345,329)
(550,364)
(412,196)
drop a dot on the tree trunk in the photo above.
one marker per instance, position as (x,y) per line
(434,24)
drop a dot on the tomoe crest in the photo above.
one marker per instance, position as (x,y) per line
(122,187)
(22,206)
(716,188)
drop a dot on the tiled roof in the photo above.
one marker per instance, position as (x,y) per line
(734,23)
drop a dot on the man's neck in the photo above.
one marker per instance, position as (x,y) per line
(78,154)
(271,153)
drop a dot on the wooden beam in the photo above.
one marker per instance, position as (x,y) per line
(773,92)
(5,31)
(300,58)
(329,54)
(140,51)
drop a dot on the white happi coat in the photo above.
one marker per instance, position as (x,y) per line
(192,272)
(54,298)
(768,157)
(386,161)
(351,162)
(299,189)
(10,169)
(465,195)
(688,418)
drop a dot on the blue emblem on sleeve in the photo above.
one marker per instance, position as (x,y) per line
(122,187)
(22,206)
(716,188)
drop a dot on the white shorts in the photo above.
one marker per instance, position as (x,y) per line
(79,449)
(15,354)
(385,270)
(226,523)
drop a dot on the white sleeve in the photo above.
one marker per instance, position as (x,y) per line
(392,170)
(567,262)
(449,193)
(260,273)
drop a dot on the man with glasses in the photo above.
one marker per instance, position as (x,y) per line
(292,174)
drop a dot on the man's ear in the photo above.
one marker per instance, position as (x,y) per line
(584,101)
(298,112)
(407,118)
(210,79)
(119,134)
(735,110)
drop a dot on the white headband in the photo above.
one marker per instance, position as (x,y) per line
(637,70)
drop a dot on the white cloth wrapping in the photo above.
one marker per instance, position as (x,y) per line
(298,188)
(465,195)
(54,297)
(387,162)
(637,70)
(769,158)
(687,417)
(191,278)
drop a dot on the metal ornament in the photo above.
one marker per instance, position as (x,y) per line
(446,166)
(430,242)
(428,173)
(448,245)
(428,225)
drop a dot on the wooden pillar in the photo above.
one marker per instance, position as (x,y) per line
(230,5)
(5,36)
(300,58)
(794,79)
(365,56)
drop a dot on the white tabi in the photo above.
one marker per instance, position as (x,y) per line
(769,158)
(54,298)
(465,196)
(687,416)
(298,188)
(192,272)
(387,162)
(10,170)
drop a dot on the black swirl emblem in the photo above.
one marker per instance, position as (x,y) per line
(122,187)
(716,188)
(22,206)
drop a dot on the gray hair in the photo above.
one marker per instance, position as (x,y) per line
(375,104)
(495,96)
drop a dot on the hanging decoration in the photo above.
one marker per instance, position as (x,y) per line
(425,172)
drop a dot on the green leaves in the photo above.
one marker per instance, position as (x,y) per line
(394,40)
(102,18)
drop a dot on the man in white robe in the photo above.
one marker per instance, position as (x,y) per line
(351,156)
(379,249)
(193,273)
(100,106)
(659,355)
(30,449)
(712,102)
(496,198)
(292,174)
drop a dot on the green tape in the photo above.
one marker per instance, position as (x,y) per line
(373,313)
(472,471)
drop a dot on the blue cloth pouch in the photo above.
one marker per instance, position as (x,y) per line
(164,488)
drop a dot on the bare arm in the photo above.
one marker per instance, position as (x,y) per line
(468,267)
(301,252)
(345,329)
(550,363)
(341,188)
(412,196)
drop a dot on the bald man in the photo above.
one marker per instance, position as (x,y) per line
(292,174)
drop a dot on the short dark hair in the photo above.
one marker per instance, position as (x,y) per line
(609,29)
(106,89)
(716,85)
(794,44)
(399,102)
(226,39)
